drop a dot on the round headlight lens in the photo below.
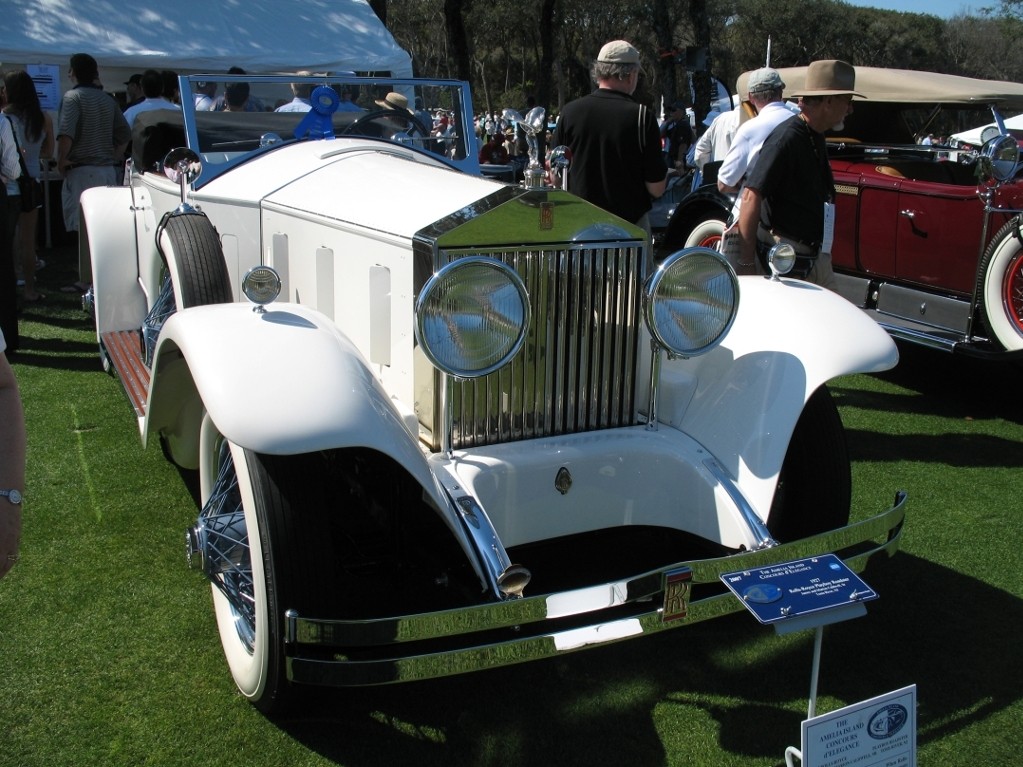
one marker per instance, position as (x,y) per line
(691,301)
(781,258)
(471,317)
(261,285)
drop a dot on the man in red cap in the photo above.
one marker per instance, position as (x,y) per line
(614,140)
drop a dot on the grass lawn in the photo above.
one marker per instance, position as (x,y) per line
(110,655)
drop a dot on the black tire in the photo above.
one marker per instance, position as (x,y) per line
(815,486)
(190,246)
(278,557)
(1000,286)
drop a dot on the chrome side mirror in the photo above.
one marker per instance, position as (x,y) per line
(999,157)
(781,258)
(182,166)
(560,159)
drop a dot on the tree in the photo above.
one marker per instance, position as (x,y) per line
(510,49)
(458,41)
(380,9)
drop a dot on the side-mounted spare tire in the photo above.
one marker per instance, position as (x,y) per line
(190,248)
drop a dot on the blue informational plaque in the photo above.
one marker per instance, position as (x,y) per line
(788,590)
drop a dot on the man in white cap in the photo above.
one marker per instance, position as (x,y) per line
(789,194)
(764,92)
(614,140)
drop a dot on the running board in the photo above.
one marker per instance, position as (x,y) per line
(124,350)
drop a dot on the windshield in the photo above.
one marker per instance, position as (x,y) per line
(228,119)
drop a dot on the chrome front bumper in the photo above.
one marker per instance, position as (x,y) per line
(411,647)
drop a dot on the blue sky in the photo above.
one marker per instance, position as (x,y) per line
(943,8)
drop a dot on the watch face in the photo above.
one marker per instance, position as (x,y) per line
(12,495)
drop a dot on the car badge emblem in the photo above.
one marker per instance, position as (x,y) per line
(546,216)
(676,594)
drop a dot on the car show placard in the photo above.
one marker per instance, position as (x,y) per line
(880,732)
(790,589)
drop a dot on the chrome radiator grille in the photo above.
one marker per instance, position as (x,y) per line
(576,371)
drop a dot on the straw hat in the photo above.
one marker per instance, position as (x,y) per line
(394,101)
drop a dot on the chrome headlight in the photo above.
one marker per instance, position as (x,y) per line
(471,317)
(691,300)
(781,258)
(261,285)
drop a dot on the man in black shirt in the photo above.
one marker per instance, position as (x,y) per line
(789,194)
(678,135)
(614,140)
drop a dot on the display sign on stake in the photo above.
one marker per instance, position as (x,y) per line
(803,593)
(880,732)
(812,593)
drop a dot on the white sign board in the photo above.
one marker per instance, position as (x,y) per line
(880,732)
(47,81)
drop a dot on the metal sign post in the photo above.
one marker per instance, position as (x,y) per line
(802,594)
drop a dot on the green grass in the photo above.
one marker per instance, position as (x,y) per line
(110,656)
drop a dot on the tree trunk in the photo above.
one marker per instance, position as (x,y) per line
(703,84)
(458,41)
(660,21)
(548,8)
(380,9)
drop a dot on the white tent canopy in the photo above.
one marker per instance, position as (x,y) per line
(973,136)
(190,36)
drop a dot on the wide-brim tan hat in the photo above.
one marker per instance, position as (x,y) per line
(830,77)
(394,101)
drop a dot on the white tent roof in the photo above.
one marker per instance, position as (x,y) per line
(191,36)
(973,136)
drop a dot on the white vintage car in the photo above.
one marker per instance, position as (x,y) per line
(443,423)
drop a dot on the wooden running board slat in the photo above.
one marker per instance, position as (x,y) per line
(124,347)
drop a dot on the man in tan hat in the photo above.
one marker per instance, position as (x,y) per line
(789,194)
(394,101)
(614,140)
(404,125)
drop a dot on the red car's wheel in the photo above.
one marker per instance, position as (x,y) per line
(707,233)
(1001,288)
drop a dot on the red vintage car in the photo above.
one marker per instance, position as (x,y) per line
(929,237)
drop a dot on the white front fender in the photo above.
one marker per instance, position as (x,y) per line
(742,400)
(283,382)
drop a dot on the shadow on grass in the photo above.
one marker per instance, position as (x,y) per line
(633,703)
(956,386)
(957,450)
(57,354)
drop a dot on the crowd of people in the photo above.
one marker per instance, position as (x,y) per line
(773,156)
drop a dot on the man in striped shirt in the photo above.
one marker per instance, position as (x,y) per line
(92,135)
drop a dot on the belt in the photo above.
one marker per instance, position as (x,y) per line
(812,246)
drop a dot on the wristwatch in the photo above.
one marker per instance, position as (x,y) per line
(11,495)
